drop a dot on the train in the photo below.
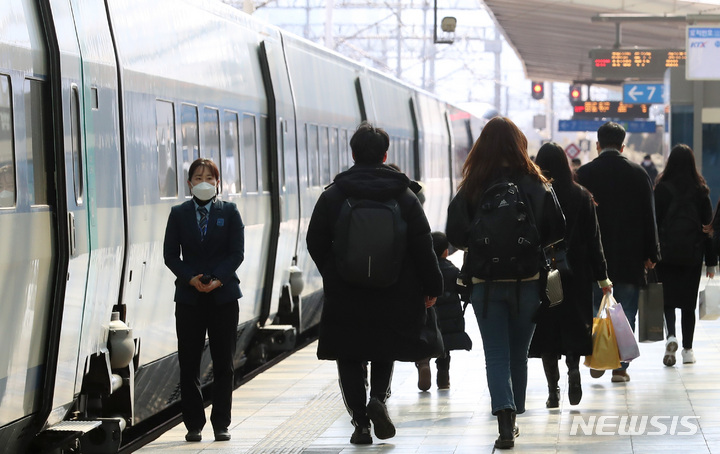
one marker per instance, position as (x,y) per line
(103,106)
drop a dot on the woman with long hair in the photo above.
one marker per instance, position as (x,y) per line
(504,304)
(684,213)
(566,329)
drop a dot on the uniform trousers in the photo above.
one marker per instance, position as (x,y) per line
(192,322)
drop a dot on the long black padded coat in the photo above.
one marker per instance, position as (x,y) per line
(365,323)
(567,328)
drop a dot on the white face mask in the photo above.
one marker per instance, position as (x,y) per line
(7,198)
(204,191)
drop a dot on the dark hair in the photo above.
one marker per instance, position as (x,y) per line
(501,145)
(681,169)
(440,243)
(611,135)
(554,163)
(369,144)
(204,162)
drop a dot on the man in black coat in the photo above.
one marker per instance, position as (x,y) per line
(626,214)
(361,324)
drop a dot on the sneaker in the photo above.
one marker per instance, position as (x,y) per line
(361,436)
(378,414)
(595,373)
(620,376)
(688,356)
(424,377)
(443,379)
(671,347)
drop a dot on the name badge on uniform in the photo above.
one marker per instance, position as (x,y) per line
(220,222)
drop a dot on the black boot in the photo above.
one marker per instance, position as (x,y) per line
(506,440)
(552,374)
(574,386)
(553,400)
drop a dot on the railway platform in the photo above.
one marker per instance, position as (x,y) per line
(296,407)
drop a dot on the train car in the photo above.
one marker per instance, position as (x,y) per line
(103,106)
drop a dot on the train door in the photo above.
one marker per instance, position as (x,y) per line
(285,199)
(86,128)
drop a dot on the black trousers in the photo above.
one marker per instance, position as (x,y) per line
(352,374)
(220,324)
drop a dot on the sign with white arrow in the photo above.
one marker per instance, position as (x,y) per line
(643,93)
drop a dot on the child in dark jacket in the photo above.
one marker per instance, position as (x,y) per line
(450,316)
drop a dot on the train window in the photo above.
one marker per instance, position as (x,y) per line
(35,124)
(7,157)
(232,154)
(324,156)
(334,153)
(189,132)
(344,153)
(75,137)
(211,138)
(264,161)
(312,150)
(250,176)
(281,164)
(167,157)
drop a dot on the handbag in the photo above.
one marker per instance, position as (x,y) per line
(605,349)
(627,346)
(554,288)
(651,316)
(557,258)
(431,341)
(710,300)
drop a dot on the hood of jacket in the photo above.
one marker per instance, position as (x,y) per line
(375,182)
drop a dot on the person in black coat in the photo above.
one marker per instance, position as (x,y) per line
(379,325)
(504,309)
(204,247)
(566,329)
(450,317)
(681,183)
(626,214)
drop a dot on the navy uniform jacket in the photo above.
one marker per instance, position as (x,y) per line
(219,255)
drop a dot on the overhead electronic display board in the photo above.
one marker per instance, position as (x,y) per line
(634,63)
(609,109)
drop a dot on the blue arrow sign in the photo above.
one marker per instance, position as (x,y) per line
(593,125)
(643,93)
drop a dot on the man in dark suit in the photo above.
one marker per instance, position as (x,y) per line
(626,215)
(204,246)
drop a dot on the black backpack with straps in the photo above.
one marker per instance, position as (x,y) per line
(370,242)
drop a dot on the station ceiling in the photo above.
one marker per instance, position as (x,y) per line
(553,37)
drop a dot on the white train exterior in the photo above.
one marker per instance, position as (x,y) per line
(103,106)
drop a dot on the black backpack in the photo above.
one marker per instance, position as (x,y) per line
(370,242)
(503,242)
(681,238)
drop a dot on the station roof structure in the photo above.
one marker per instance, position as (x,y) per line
(553,37)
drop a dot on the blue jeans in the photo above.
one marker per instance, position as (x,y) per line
(625,294)
(506,339)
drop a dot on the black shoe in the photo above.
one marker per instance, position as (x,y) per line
(378,414)
(506,440)
(553,400)
(194,435)
(361,436)
(574,387)
(222,435)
